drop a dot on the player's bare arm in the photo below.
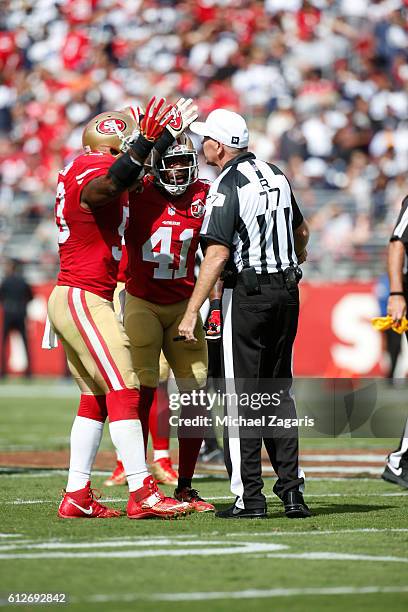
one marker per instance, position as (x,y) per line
(301,235)
(216,291)
(212,265)
(396,306)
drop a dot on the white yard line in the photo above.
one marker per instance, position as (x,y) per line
(204,548)
(326,469)
(333,556)
(182,546)
(28,390)
(22,502)
(246,594)
(367,530)
(379,458)
(32,472)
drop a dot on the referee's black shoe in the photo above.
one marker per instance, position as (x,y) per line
(295,506)
(237,513)
(400,479)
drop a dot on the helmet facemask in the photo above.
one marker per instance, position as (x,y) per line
(178,167)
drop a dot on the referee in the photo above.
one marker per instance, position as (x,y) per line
(256,236)
(396,468)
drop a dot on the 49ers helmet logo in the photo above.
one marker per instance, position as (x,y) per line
(197,208)
(176,121)
(111,126)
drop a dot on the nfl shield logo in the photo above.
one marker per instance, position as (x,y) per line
(197,208)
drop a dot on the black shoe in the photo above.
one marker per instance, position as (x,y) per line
(295,506)
(390,476)
(233,513)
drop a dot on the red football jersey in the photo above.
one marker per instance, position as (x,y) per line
(90,242)
(123,264)
(161,240)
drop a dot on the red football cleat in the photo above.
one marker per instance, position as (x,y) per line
(118,476)
(163,472)
(149,501)
(83,504)
(191,496)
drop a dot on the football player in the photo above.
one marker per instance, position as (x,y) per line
(162,239)
(161,468)
(92,210)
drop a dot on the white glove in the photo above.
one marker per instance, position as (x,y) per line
(184,112)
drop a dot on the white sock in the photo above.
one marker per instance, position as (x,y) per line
(160,454)
(86,435)
(118,456)
(127,437)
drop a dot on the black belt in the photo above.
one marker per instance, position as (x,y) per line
(288,278)
(265,278)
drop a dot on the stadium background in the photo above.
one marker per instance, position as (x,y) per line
(323,85)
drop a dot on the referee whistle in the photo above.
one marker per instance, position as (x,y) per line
(179,338)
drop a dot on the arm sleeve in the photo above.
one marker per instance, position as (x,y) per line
(401,227)
(221,213)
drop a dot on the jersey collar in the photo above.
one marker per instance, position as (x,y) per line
(238,159)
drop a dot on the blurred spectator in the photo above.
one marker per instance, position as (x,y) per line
(330,77)
(15,294)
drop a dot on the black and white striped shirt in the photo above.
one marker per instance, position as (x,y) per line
(251,209)
(401,231)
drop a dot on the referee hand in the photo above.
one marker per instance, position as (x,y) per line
(187,326)
(396,307)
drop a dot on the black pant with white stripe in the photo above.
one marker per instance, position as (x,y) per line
(258,335)
(399,458)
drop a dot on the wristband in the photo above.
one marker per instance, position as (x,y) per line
(397,293)
(142,147)
(125,171)
(164,142)
(215,304)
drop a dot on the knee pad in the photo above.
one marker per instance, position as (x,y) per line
(123,405)
(93,407)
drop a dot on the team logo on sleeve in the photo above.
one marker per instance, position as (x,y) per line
(197,208)
(111,126)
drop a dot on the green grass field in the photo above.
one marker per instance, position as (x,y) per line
(353,552)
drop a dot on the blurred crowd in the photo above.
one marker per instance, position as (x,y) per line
(323,84)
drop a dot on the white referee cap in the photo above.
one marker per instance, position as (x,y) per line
(224,126)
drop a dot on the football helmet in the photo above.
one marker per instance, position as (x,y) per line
(178,166)
(112,129)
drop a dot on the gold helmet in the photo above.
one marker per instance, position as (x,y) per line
(177,168)
(112,129)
